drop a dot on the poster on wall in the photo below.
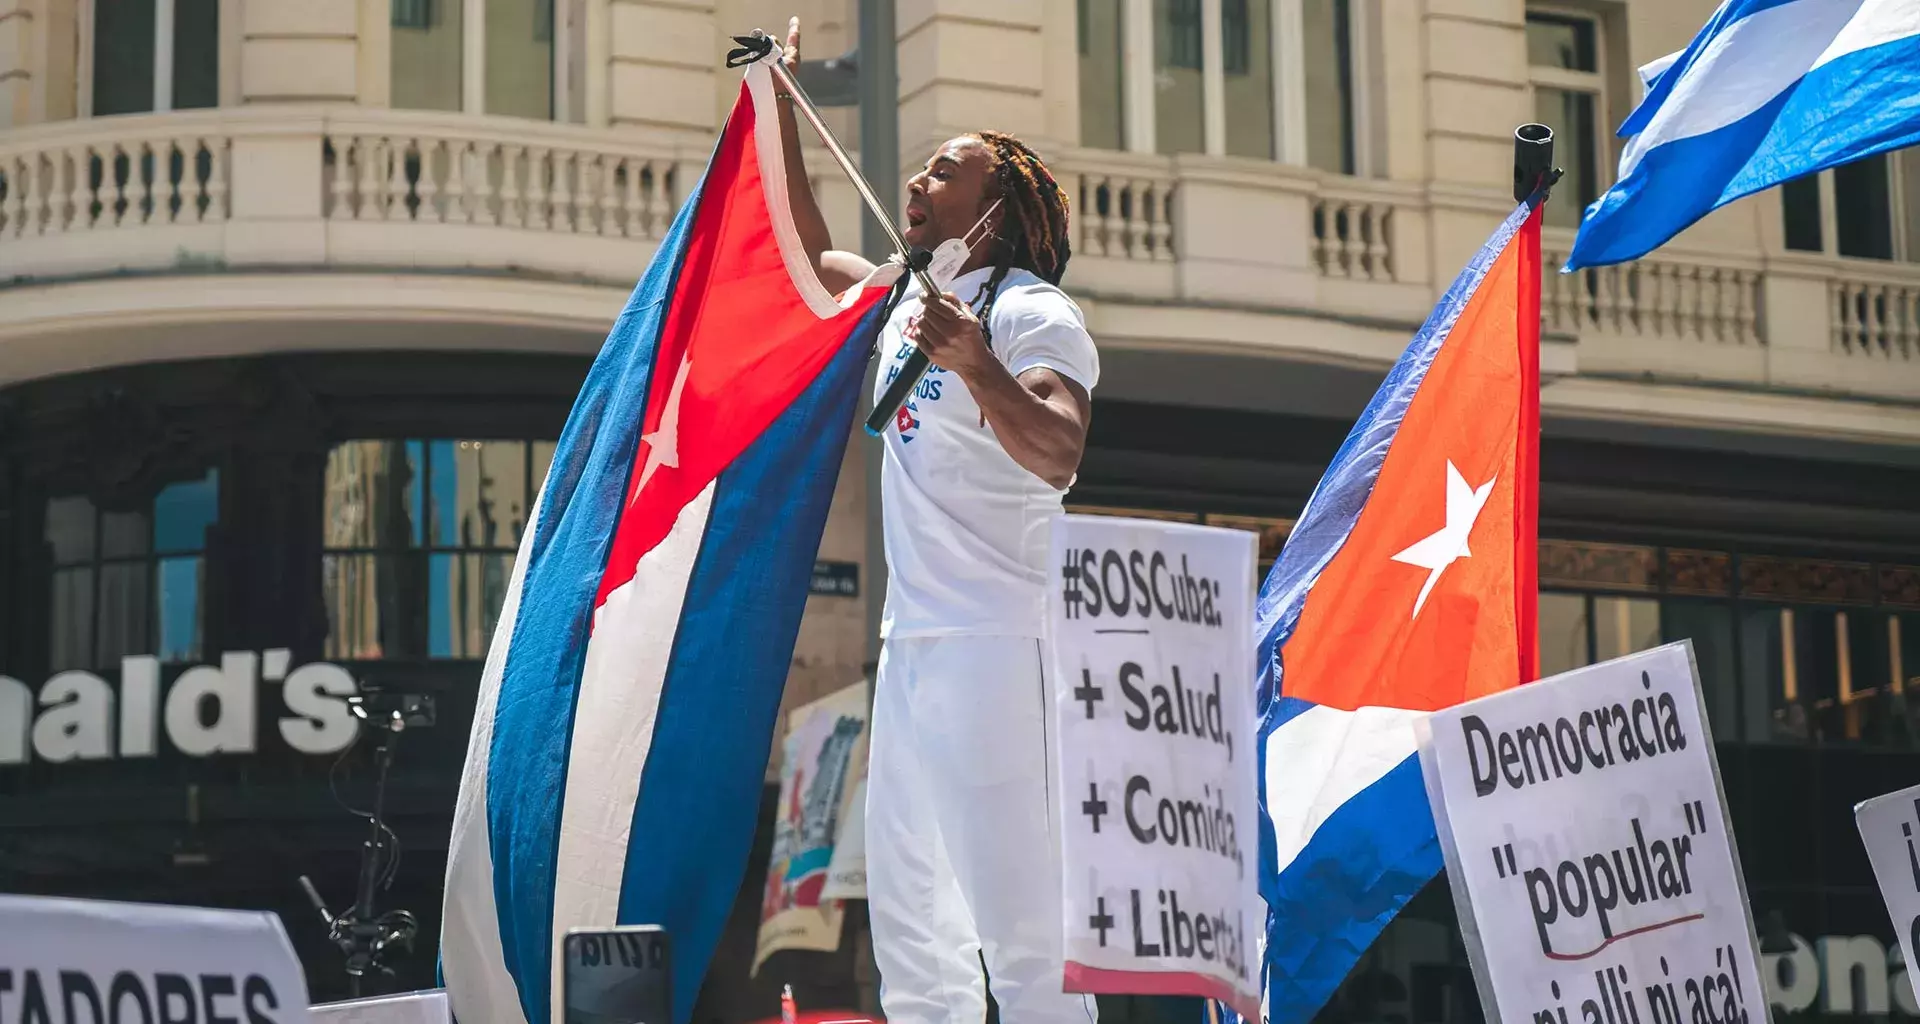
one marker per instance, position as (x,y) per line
(824,755)
(1586,839)
(1152,690)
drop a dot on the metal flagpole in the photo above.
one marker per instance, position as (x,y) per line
(879,98)
(879,210)
(759,44)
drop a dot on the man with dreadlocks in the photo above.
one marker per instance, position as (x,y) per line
(962,860)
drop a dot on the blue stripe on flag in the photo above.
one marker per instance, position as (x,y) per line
(533,719)
(699,797)
(1854,106)
(1361,866)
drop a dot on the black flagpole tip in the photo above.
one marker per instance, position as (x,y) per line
(751,48)
(1532,160)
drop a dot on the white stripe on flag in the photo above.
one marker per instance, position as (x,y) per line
(1323,757)
(614,713)
(1651,71)
(1741,70)
(1879,22)
(470,926)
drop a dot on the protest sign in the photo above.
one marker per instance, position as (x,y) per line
(1152,690)
(428,1007)
(825,750)
(1585,835)
(68,961)
(1887,826)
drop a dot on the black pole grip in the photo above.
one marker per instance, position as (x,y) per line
(910,372)
(896,394)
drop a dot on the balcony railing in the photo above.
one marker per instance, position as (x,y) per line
(448,174)
(354,187)
(340,187)
(1654,298)
(1172,229)
(72,194)
(1126,214)
(1353,235)
(1875,314)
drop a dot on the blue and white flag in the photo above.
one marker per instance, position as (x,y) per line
(627,705)
(1770,90)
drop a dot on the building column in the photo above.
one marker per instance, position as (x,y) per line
(968,65)
(1476,94)
(661,62)
(294,51)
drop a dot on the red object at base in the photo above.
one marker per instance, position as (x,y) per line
(828,1017)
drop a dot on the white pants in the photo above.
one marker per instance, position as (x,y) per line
(961,855)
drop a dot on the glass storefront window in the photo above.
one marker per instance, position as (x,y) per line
(1563,633)
(1827,675)
(1709,624)
(1769,675)
(419,541)
(1903,674)
(1623,625)
(128,582)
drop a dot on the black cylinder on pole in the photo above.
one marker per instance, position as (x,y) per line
(1532,159)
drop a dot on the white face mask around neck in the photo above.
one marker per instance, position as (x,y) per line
(949,256)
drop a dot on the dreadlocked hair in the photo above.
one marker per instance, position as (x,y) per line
(1033,236)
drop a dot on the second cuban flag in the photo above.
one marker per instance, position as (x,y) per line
(1408,585)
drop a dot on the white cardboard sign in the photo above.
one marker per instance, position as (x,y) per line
(1152,690)
(1585,835)
(428,1007)
(88,962)
(1890,826)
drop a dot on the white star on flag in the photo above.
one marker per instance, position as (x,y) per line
(663,445)
(1439,550)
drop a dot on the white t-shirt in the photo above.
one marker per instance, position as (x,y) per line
(966,526)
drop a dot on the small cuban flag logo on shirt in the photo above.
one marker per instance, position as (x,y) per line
(905,420)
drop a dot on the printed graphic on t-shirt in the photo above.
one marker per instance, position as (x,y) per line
(907,420)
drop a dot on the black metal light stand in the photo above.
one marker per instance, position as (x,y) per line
(365,936)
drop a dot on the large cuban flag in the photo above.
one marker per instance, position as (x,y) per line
(1407,586)
(1768,91)
(629,698)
